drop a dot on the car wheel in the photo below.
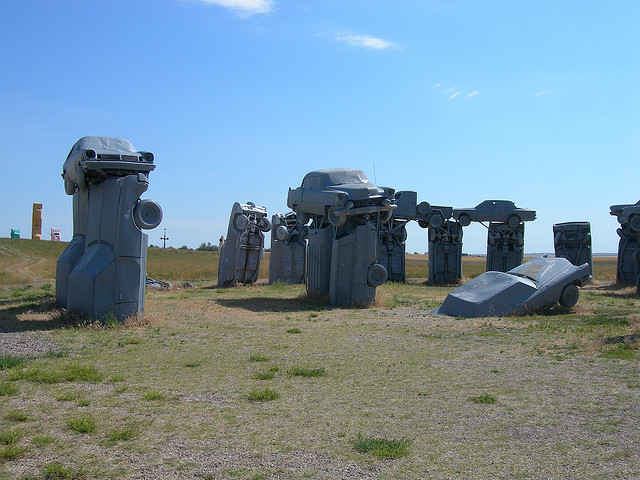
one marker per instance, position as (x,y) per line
(147,214)
(557,239)
(377,275)
(424,208)
(423,223)
(336,220)
(436,220)
(403,235)
(282,233)
(465,220)
(513,221)
(386,216)
(303,218)
(264,224)
(241,222)
(569,296)
(634,223)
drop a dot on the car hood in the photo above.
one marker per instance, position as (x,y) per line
(358,191)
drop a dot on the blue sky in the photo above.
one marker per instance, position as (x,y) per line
(532,101)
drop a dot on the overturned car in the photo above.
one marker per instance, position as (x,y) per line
(532,286)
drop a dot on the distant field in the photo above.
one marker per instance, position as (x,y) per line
(23,260)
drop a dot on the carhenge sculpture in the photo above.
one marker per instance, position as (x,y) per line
(346,212)
(102,270)
(572,240)
(244,247)
(628,216)
(505,236)
(288,249)
(445,239)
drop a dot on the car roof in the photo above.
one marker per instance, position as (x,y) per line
(333,176)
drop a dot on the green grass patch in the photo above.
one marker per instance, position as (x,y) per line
(294,330)
(7,388)
(151,396)
(485,399)
(83,423)
(267,375)
(10,437)
(42,440)
(382,447)
(623,351)
(11,452)
(305,372)
(17,415)
(57,471)
(122,434)
(11,361)
(263,395)
(57,374)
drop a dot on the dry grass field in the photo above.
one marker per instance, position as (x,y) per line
(261,382)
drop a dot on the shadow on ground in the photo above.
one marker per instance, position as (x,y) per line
(11,320)
(268,304)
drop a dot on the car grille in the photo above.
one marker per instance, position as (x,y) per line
(365,203)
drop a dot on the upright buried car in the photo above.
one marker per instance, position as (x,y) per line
(532,286)
(337,193)
(494,211)
(628,214)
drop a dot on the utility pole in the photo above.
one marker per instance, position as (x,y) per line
(164,239)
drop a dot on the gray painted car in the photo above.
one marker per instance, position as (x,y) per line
(532,286)
(338,193)
(628,214)
(494,211)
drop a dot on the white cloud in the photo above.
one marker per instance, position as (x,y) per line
(540,94)
(243,7)
(455,92)
(364,41)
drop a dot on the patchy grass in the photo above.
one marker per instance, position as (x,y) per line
(256,357)
(7,389)
(83,424)
(263,395)
(17,415)
(11,361)
(57,374)
(305,372)
(153,396)
(382,447)
(57,471)
(485,399)
(122,434)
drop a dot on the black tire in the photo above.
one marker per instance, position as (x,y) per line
(436,220)
(336,220)
(147,214)
(424,208)
(465,220)
(386,216)
(634,223)
(513,221)
(241,222)
(264,224)
(569,296)
(377,275)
